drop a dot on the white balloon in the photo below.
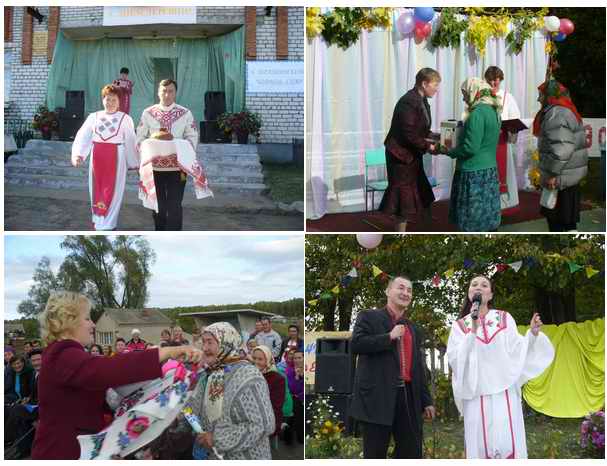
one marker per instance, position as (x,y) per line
(369,241)
(552,23)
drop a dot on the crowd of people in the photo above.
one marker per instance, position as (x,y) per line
(73,370)
(484,186)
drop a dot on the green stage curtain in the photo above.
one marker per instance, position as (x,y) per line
(574,384)
(214,64)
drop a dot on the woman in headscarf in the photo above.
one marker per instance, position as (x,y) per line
(563,155)
(262,358)
(232,400)
(475,196)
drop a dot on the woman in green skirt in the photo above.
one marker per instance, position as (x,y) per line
(475,196)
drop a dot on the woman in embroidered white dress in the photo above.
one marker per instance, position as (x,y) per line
(506,146)
(490,362)
(109,136)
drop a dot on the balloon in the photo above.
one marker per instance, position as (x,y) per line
(369,241)
(560,37)
(422,30)
(567,26)
(424,13)
(427,29)
(552,23)
(405,23)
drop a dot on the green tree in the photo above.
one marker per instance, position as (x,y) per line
(544,283)
(45,282)
(112,273)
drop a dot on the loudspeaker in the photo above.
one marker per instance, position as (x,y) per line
(335,365)
(68,126)
(214,104)
(74,103)
(211,133)
(340,403)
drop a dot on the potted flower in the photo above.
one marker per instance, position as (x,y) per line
(45,121)
(241,123)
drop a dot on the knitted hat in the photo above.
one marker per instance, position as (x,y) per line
(135,331)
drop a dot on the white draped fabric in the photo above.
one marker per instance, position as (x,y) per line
(351,94)
(489,368)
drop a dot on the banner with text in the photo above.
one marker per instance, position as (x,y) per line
(275,77)
(128,15)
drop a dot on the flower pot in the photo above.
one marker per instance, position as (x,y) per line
(242,138)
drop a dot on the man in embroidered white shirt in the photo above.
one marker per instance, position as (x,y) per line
(169,176)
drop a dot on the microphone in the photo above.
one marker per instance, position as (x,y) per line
(476,303)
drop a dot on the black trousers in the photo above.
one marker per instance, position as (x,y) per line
(298,419)
(405,429)
(169,191)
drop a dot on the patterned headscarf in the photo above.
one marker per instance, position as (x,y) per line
(479,92)
(270,366)
(553,93)
(229,344)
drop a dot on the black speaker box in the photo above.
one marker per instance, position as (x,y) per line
(74,103)
(211,133)
(340,403)
(214,104)
(335,365)
(68,126)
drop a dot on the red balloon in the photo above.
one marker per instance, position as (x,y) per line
(567,26)
(427,29)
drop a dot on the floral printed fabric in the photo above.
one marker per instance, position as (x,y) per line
(475,200)
(479,92)
(142,415)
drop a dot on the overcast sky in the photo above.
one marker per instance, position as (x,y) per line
(189,270)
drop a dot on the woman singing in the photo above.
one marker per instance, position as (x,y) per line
(490,362)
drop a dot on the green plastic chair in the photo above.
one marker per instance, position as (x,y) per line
(374,158)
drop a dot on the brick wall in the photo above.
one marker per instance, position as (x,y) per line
(282,113)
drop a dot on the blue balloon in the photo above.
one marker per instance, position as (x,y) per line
(560,37)
(423,13)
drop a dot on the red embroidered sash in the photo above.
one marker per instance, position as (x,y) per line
(502,160)
(105,161)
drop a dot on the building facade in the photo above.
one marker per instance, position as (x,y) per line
(272,34)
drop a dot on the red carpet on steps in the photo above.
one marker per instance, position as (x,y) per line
(529,209)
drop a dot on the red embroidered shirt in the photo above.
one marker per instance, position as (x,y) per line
(405,350)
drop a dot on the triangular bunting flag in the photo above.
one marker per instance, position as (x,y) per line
(335,289)
(345,281)
(313,302)
(590,272)
(516,266)
(501,267)
(353,273)
(436,280)
(449,273)
(573,267)
(377,271)
(468,263)
(326,295)
(554,255)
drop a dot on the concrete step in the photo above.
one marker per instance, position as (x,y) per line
(47,164)
(37,160)
(236,176)
(80,182)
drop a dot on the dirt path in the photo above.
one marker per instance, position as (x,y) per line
(31,209)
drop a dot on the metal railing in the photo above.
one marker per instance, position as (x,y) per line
(22,130)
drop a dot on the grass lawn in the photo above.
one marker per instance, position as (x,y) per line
(546,438)
(285,181)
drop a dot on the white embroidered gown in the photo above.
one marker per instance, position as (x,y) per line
(489,368)
(510,111)
(112,128)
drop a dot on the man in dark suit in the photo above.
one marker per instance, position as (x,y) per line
(390,388)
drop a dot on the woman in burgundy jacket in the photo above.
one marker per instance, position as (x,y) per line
(262,357)
(72,383)
(409,194)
